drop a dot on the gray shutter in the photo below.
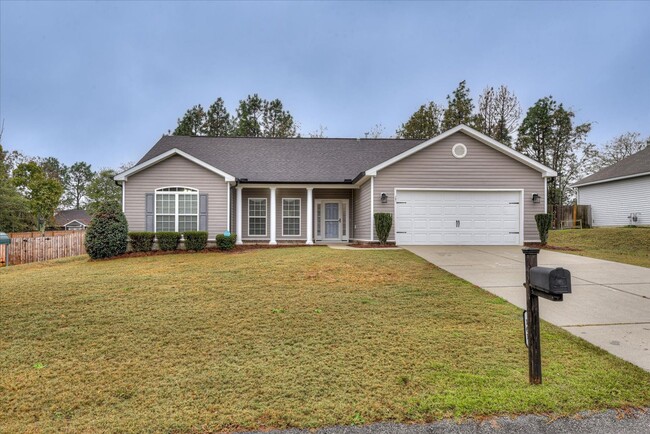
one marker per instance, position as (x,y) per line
(148,218)
(203,212)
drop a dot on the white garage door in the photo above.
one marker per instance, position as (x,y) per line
(457,217)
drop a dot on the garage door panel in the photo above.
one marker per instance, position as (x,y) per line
(430,217)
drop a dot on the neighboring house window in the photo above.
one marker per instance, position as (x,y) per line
(257,217)
(290,217)
(177,209)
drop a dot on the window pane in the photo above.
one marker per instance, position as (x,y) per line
(291,226)
(257,226)
(165,204)
(291,207)
(187,203)
(187,223)
(165,223)
(257,207)
(318,220)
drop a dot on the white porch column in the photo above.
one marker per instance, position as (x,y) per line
(310,216)
(240,232)
(272,209)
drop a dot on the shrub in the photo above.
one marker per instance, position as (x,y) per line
(543,225)
(108,232)
(195,240)
(168,240)
(141,241)
(226,242)
(383,223)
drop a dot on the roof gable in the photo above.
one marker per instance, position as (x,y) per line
(635,165)
(546,172)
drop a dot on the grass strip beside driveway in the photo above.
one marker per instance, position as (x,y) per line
(305,337)
(625,245)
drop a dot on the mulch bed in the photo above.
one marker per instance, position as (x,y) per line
(550,247)
(237,249)
(372,246)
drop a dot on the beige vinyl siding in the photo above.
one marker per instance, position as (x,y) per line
(176,171)
(361,223)
(482,168)
(612,202)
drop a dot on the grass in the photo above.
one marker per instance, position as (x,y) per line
(304,337)
(627,245)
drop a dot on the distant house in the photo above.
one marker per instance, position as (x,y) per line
(460,187)
(72,219)
(619,194)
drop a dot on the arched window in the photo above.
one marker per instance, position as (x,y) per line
(177,209)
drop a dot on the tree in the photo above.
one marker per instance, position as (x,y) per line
(249,117)
(498,114)
(107,234)
(103,189)
(43,193)
(375,132)
(425,123)
(277,122)
(218,122)
(621,147)
(547,135)
(15,214)
(53,168)
(318,133)
(192,122)
(77,179)
(459,109)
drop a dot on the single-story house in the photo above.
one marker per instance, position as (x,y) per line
(619,194)
(72,219)
(460,187)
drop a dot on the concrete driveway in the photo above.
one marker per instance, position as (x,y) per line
(609,305)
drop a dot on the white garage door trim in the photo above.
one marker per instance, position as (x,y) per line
(477,190)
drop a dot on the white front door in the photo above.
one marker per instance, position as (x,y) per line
(332,220)
(458,217)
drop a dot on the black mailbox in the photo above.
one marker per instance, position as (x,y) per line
(550,283)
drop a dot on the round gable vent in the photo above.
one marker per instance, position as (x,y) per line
(459,150)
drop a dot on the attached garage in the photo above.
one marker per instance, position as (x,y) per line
(458,217)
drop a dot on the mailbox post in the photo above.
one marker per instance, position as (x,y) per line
(548,283)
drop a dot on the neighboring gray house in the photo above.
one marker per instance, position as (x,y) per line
(619,194)
(72,219)
(461,187)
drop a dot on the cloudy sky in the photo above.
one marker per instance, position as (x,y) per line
(102,81)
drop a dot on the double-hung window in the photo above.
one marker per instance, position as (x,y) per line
(290,217)
(177,209)
(257,217)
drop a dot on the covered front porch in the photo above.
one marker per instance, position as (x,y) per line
(280,213)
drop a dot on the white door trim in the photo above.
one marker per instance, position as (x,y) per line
(321,224)
(521,202)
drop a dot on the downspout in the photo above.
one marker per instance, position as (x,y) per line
(372,208)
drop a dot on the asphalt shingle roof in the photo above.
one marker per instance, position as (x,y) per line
(286,160)
(63,217)
(632,165)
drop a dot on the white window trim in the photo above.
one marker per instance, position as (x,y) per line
(293,217)
(176,214)
(266,217)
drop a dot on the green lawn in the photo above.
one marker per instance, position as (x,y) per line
(627,245)
(303,337)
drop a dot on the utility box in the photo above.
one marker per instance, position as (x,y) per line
(550,283)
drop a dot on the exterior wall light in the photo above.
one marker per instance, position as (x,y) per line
(535,198)
(384,198)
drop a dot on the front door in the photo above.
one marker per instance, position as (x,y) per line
(332,216)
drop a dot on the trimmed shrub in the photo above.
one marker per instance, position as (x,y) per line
(543,225)
(108,232)
(226,242)
(168,240)
(383,223)
(195,240)
(141,241)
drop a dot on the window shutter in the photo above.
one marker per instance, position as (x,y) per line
(203,212)
(148,218)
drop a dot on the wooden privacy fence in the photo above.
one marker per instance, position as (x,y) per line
(571,216)
(24,250)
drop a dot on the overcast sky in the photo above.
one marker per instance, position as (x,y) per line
(101,82)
